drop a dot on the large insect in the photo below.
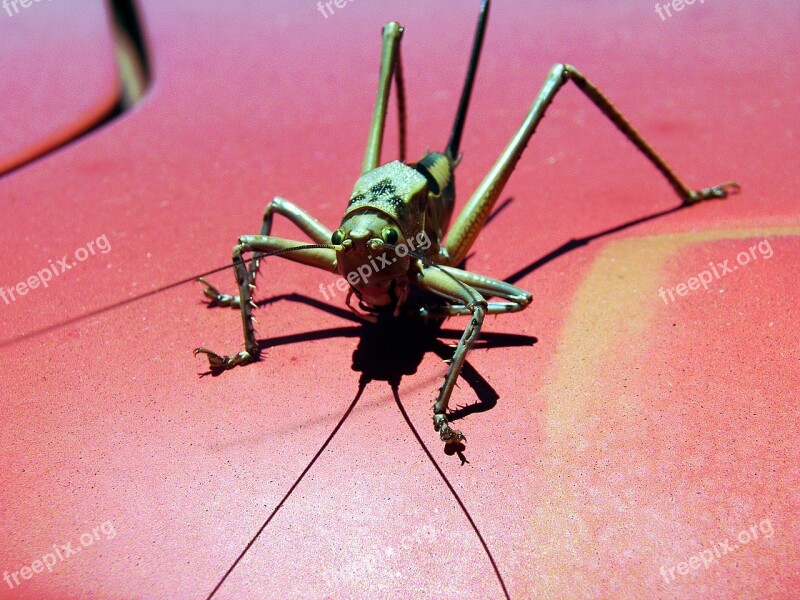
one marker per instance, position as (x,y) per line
(397,204)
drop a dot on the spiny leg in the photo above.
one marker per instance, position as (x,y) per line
(390,67)
(445,285)
(321,258)
(469,223)
(401,106)
(304,221)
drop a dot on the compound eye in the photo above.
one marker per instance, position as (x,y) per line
(390,235)
(337,238)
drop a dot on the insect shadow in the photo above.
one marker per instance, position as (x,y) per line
(394,347)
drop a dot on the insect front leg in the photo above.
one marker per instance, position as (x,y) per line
(304,221)
(445,285)
(469,223)
(246,305)
(322,258)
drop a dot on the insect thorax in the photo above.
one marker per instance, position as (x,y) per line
(394,189)
(417,197)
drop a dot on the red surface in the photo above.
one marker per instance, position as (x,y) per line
(632,435)
(59,76)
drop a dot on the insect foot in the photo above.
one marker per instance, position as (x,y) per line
(217,362)
(446,434)
(217,298)
(720,191)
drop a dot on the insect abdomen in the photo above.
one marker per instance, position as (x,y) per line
(438,170)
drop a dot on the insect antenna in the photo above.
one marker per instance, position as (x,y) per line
(260,255)
(294,249)
(461,116)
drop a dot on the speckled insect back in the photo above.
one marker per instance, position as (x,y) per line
(394,189)
(395,207)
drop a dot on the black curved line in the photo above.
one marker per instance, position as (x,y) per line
(452,491)
(125,24)
(126,17)
(362,386)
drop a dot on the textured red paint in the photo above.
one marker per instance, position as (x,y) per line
(683,434)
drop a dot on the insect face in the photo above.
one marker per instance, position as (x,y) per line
(367,265)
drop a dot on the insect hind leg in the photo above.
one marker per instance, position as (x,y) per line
(469,223)
(391,67)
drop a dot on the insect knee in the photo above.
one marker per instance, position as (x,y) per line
(523,299)
(561,71)
(239,249)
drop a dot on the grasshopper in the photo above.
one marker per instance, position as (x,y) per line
(395,203)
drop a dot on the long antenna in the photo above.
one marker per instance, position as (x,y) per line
(461,116)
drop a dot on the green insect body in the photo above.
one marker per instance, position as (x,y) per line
(396,206)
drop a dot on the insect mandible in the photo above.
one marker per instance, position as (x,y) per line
(393,204)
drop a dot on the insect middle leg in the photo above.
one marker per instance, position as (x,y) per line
(468,289)
(304,221)
(321,258)
(514,299)
(469,223)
